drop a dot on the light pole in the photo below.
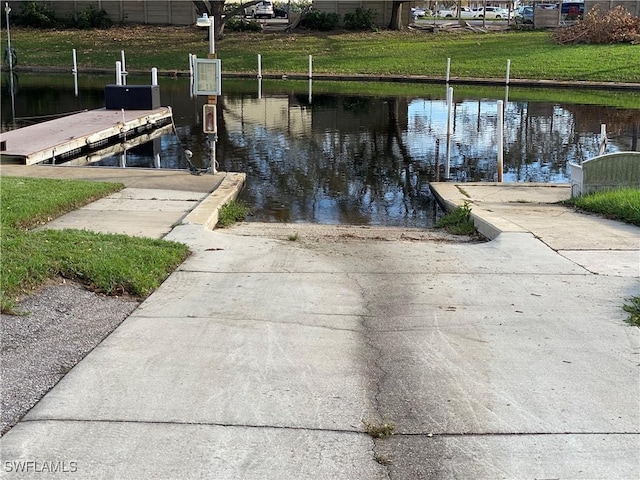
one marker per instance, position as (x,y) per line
(7,10)
(10,55)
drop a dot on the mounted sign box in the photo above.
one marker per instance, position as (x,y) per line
(209,122)
(208,76)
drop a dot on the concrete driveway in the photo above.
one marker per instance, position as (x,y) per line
(269,358)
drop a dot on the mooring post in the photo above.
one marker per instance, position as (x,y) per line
(447,167)
(259,66)
(154,77)
(508,69)
(118,73)
(124,68)
(310,66)
(448,68)
(603,139)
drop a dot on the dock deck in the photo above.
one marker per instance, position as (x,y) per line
(77,133)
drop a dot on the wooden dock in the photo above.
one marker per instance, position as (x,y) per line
(76,134)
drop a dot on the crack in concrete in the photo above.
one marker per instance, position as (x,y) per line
(195,424)
(379,380)
(507,434)
(262,320)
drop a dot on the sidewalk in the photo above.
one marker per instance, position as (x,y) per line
(262,358)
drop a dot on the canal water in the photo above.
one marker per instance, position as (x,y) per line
(362,156)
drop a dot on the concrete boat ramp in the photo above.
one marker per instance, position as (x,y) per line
(74,134)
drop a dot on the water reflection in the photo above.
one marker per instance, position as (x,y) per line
(358,159)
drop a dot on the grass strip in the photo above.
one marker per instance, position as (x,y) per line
(621,204)
(106,263)
(533,54)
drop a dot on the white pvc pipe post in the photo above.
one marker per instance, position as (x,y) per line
(259,66)
(508,69)
(500,139)
(310,91)
(603,139)
(310,66)
(448,68)
(212,36)
(154,77)
(259,88)
(75,73)
(118,73)
(191,64)
(447,168)
(124,68)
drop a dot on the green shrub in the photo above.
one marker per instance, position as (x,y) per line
(360,19)
(242,25)
(316,20)
(37,15)
(458,222)
(92,18)
(231,213)
(633,309)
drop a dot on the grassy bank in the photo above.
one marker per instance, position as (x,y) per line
(533,55)
(111,264)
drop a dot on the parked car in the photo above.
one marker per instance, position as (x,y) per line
(447,13)
(573,10)
(524,15)
(280,13)
(494,13)
(465,12)
(260,10)
(418,12)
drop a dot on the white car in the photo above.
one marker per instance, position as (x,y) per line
(465,12)
(493,13)
(261,10)
(447,13)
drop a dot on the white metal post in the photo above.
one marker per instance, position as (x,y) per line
(154,76)
(448,68)
(259,66)
(310,66)
(508,69)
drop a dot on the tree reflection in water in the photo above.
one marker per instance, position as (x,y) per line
(352,159)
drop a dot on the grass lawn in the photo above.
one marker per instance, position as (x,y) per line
(533,54)
(111,264)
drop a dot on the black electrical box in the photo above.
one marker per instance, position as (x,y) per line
(132,97)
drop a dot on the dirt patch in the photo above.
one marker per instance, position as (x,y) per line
(315,233)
